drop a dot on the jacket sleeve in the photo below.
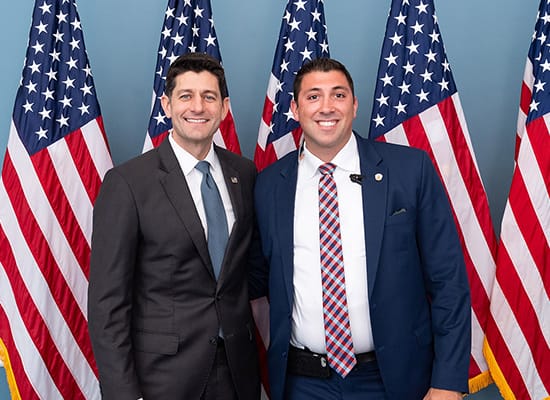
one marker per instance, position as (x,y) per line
(446,282)
(259,274)
(110,291)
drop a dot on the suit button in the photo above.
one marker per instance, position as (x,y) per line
(219,297)
(213,340)
(284,354)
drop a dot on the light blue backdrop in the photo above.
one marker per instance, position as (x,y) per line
(486,43)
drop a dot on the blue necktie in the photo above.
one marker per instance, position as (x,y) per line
(216,220)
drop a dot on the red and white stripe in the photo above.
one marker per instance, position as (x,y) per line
(45,232)
(518,337)
(442,132)
(266,154)
(260,311)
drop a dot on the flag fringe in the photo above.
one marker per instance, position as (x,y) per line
(10,377)
(496,373)
(480,382)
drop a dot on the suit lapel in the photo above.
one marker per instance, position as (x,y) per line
(286,193)
(374,189)
(232,181)
(177,191)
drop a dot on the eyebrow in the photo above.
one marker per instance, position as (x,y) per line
(207,91)
(339,87)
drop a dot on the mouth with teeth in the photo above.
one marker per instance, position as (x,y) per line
(196,120)
(327,123)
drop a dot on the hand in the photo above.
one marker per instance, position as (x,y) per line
(441,394)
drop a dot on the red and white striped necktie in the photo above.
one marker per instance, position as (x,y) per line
(338,339)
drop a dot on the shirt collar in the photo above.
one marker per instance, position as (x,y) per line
(187,161)
(347,159)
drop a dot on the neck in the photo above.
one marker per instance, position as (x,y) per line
(198,149)
(322,153)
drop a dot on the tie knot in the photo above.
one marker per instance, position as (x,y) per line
(203,166)
(327,168)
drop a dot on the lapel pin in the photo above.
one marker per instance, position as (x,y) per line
(234,179)
(378,177)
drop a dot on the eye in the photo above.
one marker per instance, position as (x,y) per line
(210,98)
(340,95)
(313,97)
(185,96)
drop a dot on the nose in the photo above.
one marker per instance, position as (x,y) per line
(197,104)
(327,104)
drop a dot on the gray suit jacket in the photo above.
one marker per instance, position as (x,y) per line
(154,305)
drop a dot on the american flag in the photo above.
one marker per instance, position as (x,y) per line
(519,331)
(188,27)
(56,157)
(303,37)
(417,104)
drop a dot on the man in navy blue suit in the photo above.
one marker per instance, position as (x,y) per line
(398,327)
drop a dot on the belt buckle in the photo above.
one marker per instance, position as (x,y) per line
(322,360)
(306,363)
(324,371)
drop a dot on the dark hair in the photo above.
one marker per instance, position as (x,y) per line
(320,65)
(195,62)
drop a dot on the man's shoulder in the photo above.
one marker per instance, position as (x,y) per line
(236,160)
(136,164)
(392,149)
(137,171)
(281,166)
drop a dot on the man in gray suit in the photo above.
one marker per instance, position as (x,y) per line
(168,308)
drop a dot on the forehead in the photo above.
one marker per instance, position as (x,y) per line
(317,80)
(203,81)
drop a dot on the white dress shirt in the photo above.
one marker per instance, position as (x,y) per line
(193,177)
(307,314)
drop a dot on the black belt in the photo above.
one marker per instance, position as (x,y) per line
(306,363)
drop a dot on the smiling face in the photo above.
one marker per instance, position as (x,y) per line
(325,108)
(196,108)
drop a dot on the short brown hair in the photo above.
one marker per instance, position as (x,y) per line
(321,65)
(195,62)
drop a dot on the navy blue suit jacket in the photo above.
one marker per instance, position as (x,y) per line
(417,285)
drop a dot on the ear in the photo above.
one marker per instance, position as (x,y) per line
(225,107)
(294,109)
(355,106)
(165,102)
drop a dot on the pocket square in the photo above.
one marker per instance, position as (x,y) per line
(400,211)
